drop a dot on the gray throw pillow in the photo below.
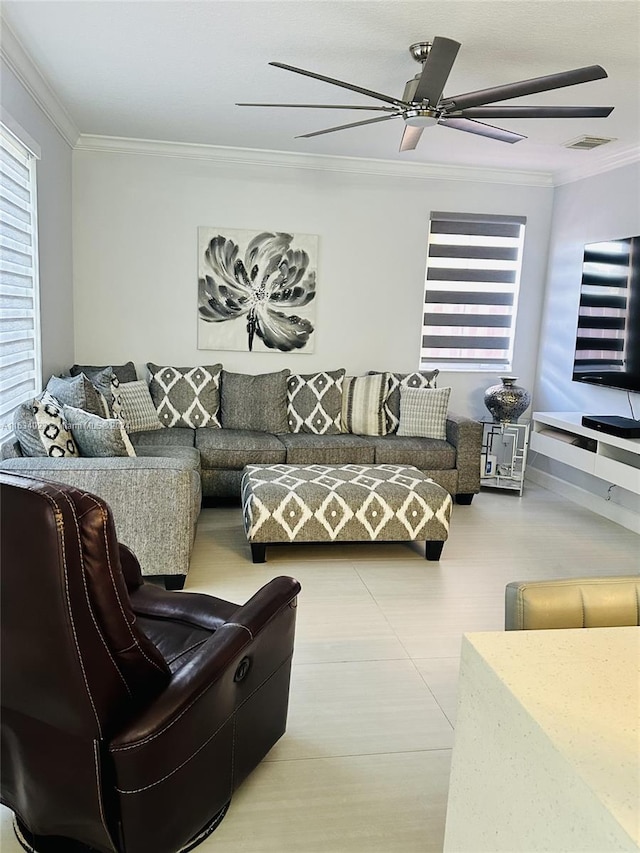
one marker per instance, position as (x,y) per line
(97,436)
(255,402)
(397,381)
(124,372)
(136,407)
(314,402)
(79,392)
(363,404)
(186,396)
(41,429)
(423,412)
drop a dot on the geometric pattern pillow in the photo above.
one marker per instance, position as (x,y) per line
(418,379)
(423,412)
(314,402)
(363,404)
(136,407)
(97,436)
(186,396)
(41,429)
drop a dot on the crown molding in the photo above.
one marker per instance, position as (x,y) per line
(605,163)
(19,61)
(294,160)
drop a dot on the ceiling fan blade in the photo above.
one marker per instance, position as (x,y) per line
(344,126)
(524,87)
(482,129)
(323,107)
(410,137)
(377,95)
(533,112)
(436,70)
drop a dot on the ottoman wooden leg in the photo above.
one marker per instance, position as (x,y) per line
(259,552)
(433,550)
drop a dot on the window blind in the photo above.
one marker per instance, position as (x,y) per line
(471,290)
(601,336)
(19,310)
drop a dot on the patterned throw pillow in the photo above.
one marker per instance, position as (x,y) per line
(255,401)
(41,429)
(314,402)
(363,404)
(423,412)
(186,396)
(79,392)
(136,407)
(97,436)
(418,379)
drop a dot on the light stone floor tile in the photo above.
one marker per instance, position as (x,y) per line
(361,708)
(392,803)
(364,765)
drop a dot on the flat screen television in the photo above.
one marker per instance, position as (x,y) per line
(608,337)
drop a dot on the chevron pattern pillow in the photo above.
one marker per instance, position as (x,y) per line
(314,402)
(186,396)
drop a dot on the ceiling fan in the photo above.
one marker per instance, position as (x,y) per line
(423,104)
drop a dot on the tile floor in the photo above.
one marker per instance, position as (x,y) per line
(365,761)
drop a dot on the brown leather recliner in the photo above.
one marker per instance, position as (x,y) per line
(129,714)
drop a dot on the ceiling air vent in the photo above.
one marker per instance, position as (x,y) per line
(586,143)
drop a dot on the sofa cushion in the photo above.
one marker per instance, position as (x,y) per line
(176,437)
(423,412)
(41,429)
(96,436)
(427,454)
(314,402)
(305,449)
(136,407)
(235,448)
(186,396)
(124,372)
(255,402)
(417,379)
(362,404)
(79,392)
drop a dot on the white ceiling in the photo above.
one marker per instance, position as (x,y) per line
(165,70)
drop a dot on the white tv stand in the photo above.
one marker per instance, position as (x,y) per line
(608,457)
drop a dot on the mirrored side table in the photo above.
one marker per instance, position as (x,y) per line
(504,455)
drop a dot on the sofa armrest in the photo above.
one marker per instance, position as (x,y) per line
(155,501)
(465,435)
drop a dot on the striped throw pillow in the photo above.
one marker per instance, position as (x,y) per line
(363,400)
(136,407)
(423,412)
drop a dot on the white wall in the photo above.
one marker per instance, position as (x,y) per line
(135,259)
(54,224)
(597,208)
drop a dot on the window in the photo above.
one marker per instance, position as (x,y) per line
(20,375)
(471,291)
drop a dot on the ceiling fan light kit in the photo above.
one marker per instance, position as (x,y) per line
(423,104)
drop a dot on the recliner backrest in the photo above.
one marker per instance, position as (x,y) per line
(62,586)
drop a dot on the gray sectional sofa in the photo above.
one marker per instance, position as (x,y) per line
(156,495)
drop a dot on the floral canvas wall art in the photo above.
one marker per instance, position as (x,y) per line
(256,290)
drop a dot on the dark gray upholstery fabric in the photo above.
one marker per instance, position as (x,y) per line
(124,372)
(220,483)
(255,402)
(432,453)
(305,449)
(235,448)
(176,437)
(77,391)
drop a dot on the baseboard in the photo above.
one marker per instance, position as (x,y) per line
(613,511)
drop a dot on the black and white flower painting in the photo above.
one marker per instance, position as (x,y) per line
(256,290)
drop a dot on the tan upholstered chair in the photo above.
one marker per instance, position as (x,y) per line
(573,603)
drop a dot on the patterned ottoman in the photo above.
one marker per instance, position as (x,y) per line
(342,503)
